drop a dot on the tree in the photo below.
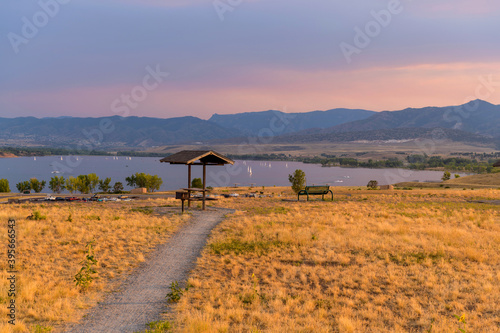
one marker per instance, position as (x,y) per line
(104,185)
(37,185)
(118,187)
(57,184)
(153,183)
(298,180)
(446,176)
(93,181)
(4,186)
(197,183)
(23,186)
(71,184)
(83,184)
(138,180)
(372,184)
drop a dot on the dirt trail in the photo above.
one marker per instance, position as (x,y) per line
(141,298)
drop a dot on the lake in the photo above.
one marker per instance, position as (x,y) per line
(243,173)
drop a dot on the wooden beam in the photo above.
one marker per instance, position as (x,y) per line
(204,184)
(189,185)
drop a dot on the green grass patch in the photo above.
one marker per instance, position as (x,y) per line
(412,258)
(269,210)
(144,210)
(240,247)
(159,327)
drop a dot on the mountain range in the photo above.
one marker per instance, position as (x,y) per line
(476,122)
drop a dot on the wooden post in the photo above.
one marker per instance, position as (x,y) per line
(189,185)
(204,184)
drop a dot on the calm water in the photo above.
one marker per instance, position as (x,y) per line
(243,173)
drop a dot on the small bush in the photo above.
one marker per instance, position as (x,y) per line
(159,327)
(176,292)
(37,216)
(40,329)
(85,275)
(4,186)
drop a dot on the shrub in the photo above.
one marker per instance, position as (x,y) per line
(176,292)
(372,184)
(37,216)
(4,186)
(197,183)
(118,187)
(298,180)
(85,275)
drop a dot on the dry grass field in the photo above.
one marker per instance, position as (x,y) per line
(371,261)
(374,261)
(50,251)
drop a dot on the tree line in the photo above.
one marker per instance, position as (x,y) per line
(85,184)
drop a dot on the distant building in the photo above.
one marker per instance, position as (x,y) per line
(140,190)
(386,187)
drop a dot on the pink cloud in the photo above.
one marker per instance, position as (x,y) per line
(378,88)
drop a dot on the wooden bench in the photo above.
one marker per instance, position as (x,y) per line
(315,190)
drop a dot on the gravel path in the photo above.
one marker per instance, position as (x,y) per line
(141,298)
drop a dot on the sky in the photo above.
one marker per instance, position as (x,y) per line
(173,58)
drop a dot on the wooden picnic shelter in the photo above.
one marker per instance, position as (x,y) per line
(197,157)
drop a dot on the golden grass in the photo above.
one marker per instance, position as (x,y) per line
(490,179)
(50,252)
(375,261)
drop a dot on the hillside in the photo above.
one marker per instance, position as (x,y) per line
(484,119)
(252,123)
(395,134)
(491,179)
(130,131)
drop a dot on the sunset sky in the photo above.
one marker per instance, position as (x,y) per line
(95,58)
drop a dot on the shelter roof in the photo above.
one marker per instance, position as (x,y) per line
(208,157)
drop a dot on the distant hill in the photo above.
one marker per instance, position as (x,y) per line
(459,123)
(483,120)
(255,123)
(392,134)
(130,131)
